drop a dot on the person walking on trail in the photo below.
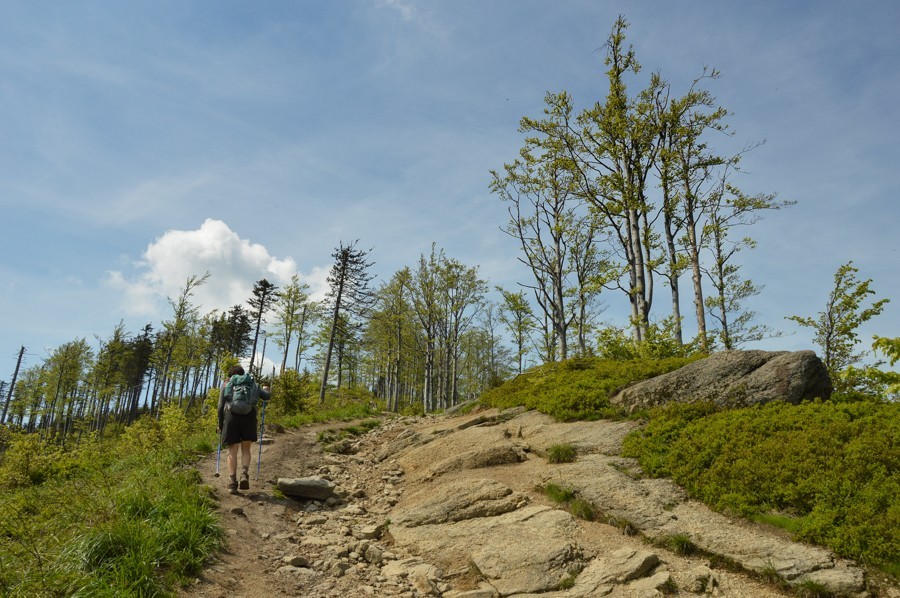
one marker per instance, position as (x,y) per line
(237,422)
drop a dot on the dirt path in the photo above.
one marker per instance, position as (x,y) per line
(254,520)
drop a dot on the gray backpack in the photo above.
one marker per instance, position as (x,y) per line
(243,399)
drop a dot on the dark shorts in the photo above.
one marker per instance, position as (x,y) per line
(239,427)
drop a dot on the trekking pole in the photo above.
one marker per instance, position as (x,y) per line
(262,426)
(219,451)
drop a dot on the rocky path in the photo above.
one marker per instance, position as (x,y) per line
(450,506)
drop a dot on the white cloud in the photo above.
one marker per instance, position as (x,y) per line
(317,280)
(234,265)
(404,7)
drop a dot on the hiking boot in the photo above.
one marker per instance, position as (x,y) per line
(233,485)
(245,480)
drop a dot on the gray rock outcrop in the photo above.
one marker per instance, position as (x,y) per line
(314,488)
(735,379)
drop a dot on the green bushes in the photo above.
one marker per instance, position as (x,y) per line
(833,469)
(577,388)
(333,438)
(329,412)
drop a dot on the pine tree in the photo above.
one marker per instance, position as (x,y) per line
(349,297)
(265,294)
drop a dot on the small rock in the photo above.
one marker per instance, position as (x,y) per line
(366,532)
(373,554)
(701,579)
(660,581)
(296,561)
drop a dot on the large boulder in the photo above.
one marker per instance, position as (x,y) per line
(311,488)
(735,379)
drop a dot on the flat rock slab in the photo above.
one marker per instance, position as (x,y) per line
(457,501)
(529,550)
(659,509)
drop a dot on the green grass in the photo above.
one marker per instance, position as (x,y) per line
(125,522)
(576,389)
(567,497)
(680,544)
(812,589)
(790,524)
(669,587)
(570,578)
(557,493)
(329,413)
(561,453)
(583,509)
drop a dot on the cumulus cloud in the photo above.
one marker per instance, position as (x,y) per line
(233,264)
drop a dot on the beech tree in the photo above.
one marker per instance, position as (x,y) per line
(422,285)
(553,227)
(730,210)
(616,157)
(63,374)
(516,315)
(461,294)
(445,296)
(349,297)
(169,339)
(292,315)
(393,340)
(687,170)
(836,328)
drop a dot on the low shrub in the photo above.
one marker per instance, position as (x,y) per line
(578,388)
(834,467)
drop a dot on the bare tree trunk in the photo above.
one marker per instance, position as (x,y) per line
(12,385)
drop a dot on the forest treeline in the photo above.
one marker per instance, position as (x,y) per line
(613,200)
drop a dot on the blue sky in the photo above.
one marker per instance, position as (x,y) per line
(143,142)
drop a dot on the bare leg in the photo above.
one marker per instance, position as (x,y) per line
(232,458)
(245,454)
(232,467)
(245,465)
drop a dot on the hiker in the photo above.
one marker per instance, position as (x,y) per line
(237,418)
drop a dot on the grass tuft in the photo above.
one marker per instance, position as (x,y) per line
(812,589)
(558,494)
(681,544)
(561,453)
(583,509)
